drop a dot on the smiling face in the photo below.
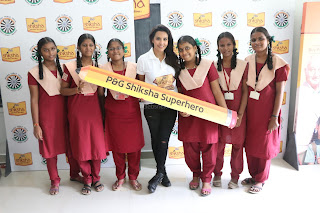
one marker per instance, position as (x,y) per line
(259,42)
(87,48)
(226,47)
(313,72)
(115,51)
(160,41)
(49,51)
(187,52)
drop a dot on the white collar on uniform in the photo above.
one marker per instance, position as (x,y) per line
(151,55)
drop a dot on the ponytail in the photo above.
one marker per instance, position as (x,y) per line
(59,66)
(234,58)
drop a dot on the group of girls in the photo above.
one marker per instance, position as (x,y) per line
(87,124)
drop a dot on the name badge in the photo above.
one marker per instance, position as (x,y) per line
(120,96)
(88,94)
(254,95)
(228,96)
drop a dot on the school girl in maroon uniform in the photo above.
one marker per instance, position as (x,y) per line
(232,79)
(123,124)
(48,109)
(85,116)
(267,76)
(199,79)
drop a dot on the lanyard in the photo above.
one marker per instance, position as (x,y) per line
(225,77)
(257,75)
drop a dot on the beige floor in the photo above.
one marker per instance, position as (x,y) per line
(287,190)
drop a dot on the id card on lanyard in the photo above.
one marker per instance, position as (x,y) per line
(254,94)
(228,95)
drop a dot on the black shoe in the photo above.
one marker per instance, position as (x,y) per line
(165,181)
(153,183)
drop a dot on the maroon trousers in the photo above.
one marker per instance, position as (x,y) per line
(53,170)
(259,168)
(90,171)
(133,164)
(192,152)
(236,161)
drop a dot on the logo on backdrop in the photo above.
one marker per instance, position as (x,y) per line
(67,52)
(62,1)
(23,159)
(204,47)
(34,2)
(13,82)
(175,128)
(175,20)
(7,1)
(11,54)
(281,19)
(17,109)
(98,49)
(120,22)
(175,48)
(34,50)
(19,134)
(141,9)
(92,23)
(255,20)
(64,24)
(7,25)
(104,161)
(284,98)
(91,1)
(250,49)
(280,47)
(43,161)
(127,47)
(176,152)
(36,25)
(229,19)
(202,20)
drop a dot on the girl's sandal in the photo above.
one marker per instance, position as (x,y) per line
(136,185)
(86,190)
(248,181)
(99,187)
(194,185)
(117,185)
(54,190)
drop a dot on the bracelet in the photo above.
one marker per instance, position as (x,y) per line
(274,116)
(35,124)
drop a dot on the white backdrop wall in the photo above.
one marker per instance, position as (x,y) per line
(205,20)
(23,23)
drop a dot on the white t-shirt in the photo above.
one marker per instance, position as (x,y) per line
(151,67)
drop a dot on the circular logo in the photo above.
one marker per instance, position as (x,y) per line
(281,19)
(175,20)
(204,47)
(175,128)
(34,50)
(104,161)
(229,19)
(44,161)
(98,49)
(64,24)
(120,22)
(34,2)
(19,134)
(250,49)
(7,25)
(14,82)
(91,1)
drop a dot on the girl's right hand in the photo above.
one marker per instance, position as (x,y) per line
(37,131)
(184,114)
(80,87)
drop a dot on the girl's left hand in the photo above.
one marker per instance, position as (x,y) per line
(239,119)
(273,124)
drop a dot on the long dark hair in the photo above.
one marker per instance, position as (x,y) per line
(40,44)
(191,41)
(235,53)
(171,58)
(115,40)
(80,40)
(270,39)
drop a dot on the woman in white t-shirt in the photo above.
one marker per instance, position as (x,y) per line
(158,67)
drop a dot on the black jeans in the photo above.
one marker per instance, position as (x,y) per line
(160,121)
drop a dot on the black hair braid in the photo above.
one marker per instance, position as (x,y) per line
(199,53)
(234,58)
(96,58)
(79,64)
(219,63)
(269,58)
(108,58)
(182,66)
(40,66)
(59,66)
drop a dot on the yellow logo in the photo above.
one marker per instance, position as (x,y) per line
(17,109)
(7,1)
(36,25)
(280,47)
(284,98)
(281,145)
(11,54)
(62,1)
(67,52)
(255,20)
(127,47)
(228,150)
(23,159)
(202,20)
(92,23)
(237,44)
(141,9)
(176,152)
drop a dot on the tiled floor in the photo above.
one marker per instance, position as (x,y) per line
(287,190)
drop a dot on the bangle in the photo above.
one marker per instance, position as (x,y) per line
(35,124)
(274,116)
